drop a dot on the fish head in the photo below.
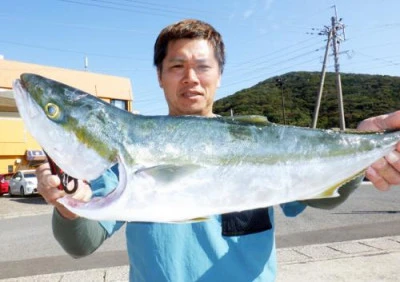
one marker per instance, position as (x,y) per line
(55,114)
(54,99)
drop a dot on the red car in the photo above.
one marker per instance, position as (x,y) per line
(4,180)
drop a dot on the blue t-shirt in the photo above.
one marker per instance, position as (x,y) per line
(195,251)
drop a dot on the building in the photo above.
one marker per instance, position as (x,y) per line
(18,149)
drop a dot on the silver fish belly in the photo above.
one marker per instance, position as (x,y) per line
(174,169)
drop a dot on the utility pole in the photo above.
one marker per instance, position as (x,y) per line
(279,82)
(336,26)
(322,80)
(86,63)
(334,38)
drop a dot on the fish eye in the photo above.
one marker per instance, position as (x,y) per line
(52,110)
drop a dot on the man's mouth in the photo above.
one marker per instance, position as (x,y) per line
(191,94)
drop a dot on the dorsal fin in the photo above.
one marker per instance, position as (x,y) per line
(359,132)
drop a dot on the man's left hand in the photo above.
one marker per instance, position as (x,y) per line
(386,171)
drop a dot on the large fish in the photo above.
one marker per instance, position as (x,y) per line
(181,168)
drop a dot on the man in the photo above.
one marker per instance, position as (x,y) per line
(190,58)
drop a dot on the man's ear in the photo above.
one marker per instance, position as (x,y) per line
(159,78)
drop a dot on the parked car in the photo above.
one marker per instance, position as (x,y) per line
(23,182)
(4,182)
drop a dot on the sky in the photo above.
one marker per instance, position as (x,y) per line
(263,38)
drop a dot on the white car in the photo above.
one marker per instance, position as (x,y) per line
(23,182)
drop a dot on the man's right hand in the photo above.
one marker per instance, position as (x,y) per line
(47,187)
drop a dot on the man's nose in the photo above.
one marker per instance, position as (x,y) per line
(190,76)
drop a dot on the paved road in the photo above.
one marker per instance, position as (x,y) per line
(368,213)
(12,207)
(28,247)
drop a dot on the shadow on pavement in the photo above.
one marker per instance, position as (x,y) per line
(31,199)
(369,212)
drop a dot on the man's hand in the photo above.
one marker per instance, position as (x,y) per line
(47,187)
(386,171)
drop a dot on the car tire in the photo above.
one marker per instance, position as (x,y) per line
(22,191)
(9,192)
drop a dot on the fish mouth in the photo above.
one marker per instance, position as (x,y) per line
(19,89)
(24,100)
(60,143)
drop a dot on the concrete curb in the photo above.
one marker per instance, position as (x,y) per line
(360,260)
(111,274)
(338,250)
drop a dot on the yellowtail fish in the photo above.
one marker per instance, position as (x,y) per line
(173,169)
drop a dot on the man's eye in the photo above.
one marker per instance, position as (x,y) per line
(204,67)
(177,66)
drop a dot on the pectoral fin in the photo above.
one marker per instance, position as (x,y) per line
(167,173)
(248,120)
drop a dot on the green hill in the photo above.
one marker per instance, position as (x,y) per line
(363,96)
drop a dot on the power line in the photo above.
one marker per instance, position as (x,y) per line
(263,75)
(160,10)
(157,6)
(257,60)
(75,25)
(67,50)
(278,63)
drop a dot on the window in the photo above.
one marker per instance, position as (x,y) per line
(119,104)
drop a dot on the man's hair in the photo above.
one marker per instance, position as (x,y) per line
(188,29)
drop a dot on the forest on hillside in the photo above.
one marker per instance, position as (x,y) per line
(363,96)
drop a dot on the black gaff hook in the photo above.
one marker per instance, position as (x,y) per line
(64,178)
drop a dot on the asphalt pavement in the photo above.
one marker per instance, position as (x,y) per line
(375,259)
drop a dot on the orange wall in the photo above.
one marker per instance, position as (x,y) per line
(14,141)
(14,138)
(101,85)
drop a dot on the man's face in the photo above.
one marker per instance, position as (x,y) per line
(190,76)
